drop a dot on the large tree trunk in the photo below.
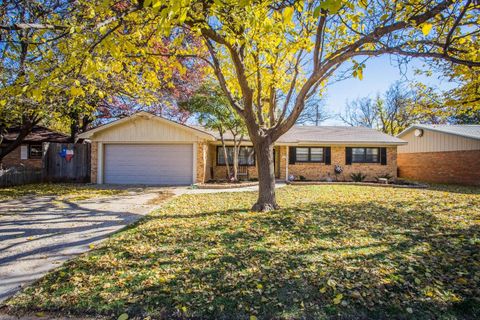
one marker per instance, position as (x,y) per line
(266,176)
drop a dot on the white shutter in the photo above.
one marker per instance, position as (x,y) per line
(23,152)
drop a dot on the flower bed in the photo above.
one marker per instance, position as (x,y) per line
(225,185)
(399,184)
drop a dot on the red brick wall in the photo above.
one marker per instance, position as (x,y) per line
(457,167)
(220,172)
(13,160)
(320,171)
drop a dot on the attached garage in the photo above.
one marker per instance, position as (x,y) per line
(155,164)
(147,149)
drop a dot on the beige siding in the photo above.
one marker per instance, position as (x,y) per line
(433,141)
(143,129)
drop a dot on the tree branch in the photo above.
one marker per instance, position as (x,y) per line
(455,25)
(221,78)
(30,26)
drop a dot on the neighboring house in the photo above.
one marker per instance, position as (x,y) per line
(29,153)
(147,149)
(441,154)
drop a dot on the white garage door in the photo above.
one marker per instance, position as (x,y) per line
(161,164)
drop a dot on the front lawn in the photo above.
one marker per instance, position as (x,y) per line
(331,251)
(70,191)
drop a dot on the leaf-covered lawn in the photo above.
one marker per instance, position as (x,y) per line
(62,190)
(331,251)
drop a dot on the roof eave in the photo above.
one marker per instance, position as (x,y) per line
(343,143)
(340,143)
(435,130)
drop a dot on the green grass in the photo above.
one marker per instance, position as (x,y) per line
(330,252)
(68,191)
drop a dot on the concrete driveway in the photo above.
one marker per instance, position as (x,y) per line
(38,234)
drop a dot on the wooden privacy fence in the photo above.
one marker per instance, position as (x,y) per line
(66,162)
(19,176)
(61,162)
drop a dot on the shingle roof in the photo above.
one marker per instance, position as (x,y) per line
(38,134)
(330,135)
(338,134)
(465,130)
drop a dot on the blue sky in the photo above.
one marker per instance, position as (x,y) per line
(378,75)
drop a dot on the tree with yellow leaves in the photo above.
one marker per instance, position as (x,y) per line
(269,57)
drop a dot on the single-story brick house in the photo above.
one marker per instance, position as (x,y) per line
(441,154)
(29,153)
(147,149)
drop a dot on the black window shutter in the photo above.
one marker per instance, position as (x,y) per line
(383,156)
(348,155)
(292,155)
(328,156)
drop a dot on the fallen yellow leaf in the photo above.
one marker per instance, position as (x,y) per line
(338,298)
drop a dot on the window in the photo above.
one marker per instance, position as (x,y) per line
(365,155)
(309,154)
(35,151)
(302,154)
(246,156)
(316,154)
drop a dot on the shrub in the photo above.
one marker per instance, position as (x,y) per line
(358,177)
(302,178)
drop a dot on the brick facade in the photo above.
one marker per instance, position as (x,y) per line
(321,171)
(203,164)
(219,172)
(207,169)
(13,160)
(458,167)
(318,171)
(93,162)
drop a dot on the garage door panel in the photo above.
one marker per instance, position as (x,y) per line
(148,164)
